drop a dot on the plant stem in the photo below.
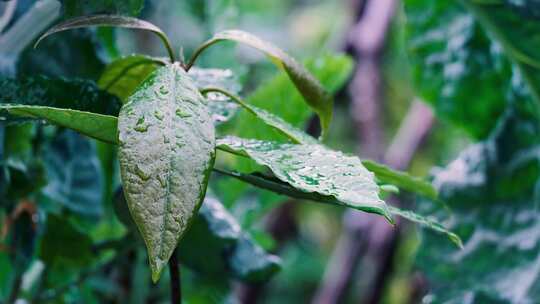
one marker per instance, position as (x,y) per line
(176,287)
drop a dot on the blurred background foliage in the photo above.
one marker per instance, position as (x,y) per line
(63,237)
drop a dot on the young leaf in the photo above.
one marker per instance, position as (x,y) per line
(426,222)
(310,88)
(167,150)
(315,169)
(401,180)
(124,75)
(270,119)
(111,21)
(98,126)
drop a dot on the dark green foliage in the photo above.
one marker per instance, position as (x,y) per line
(74,8)
(82,95)
(76,54)
(493,190)
(74,174)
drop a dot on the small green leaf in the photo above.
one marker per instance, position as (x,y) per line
(401,179)
(315,169)
(426,222)
(101,127)
(310,88)
(124,75)
(268,118)
(167,150)
(110,21)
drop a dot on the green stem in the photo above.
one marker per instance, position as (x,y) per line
(199,51)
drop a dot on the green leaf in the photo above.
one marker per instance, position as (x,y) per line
(74,174)
(426,222)
(513,25)
(74,8)
(383,173)
(315,169)
(100,127)
(458,53)
(310,88)
(58,234)
(401,179)
(492,188)
(227,249)
(110,21)
(167,150)
(124,75)
(277,186)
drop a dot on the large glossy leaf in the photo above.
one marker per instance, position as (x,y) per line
(515,25)
(109,21)
(315,169)
(453,61)
(310,88)
(101,127)
(74,8)
(166,153)
(74,174)
(492,188)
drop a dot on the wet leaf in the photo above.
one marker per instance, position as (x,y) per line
(122,77)
(73,8)
(277,186)
(310,88)
(492,188)
(109,21)
(100,127)
(166,154)
(315,169)
(228,249)
(74,174)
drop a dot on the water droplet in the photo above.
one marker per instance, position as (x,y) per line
(181,113)
(163,90)
(141,173)
(162,181)
(159,115)
(141,126)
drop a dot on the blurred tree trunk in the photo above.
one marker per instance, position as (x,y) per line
(366,235)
